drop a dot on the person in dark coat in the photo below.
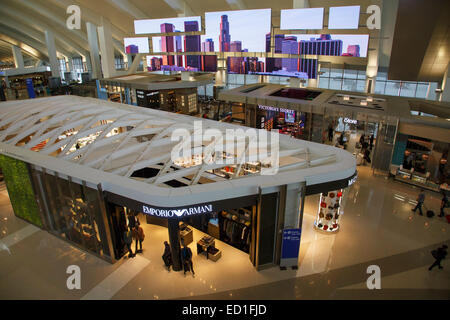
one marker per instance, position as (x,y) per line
(341,139)
(138,236)
(420,201)
(367,155)
(167,255)
(371,141)
(361,139)
(186,256)
(444,203)
(128,239)
(439,255)
(131,220)
(330,133)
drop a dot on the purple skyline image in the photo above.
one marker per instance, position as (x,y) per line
(136,45)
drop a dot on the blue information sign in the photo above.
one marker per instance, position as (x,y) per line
(30,88)
(291,243)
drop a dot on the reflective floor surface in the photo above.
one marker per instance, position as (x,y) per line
(377,228)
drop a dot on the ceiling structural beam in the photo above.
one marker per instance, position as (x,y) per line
(75,36)
(30,46)
(445,95)
(54,65)
(181,7)
(236,4)
(36,33)
(93,50)
(35,23)
(106,48)
(89,16)
(18,57)
(299,4)
(129,8)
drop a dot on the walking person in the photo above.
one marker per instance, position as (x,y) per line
(131,220)
(138,236)
(420,201)
(186,255)
(128,239)
(444,204)
(330,133)
(167,255)
(439,255)
(362,139)
(371,141)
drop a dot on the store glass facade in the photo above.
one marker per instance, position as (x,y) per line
(73,211)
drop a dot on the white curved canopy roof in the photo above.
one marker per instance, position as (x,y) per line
(128,150)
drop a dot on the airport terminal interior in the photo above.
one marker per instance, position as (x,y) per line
(224,150)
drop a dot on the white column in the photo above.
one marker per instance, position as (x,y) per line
(298,4)
(18,57)
(136,62)
(221,74)
(371,70)
(106,48)
(54,65)
(445,95)
(70,65)
(93,50)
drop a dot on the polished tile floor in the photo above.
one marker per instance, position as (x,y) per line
(377,228)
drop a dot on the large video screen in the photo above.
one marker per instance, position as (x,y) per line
(237,31)
(352,45)
(344,17)
(136,45)
(166,25)
(205,63)
(301,19)
(286,67)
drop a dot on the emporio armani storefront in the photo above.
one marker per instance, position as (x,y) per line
(82,172)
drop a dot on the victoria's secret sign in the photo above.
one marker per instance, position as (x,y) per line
(177,213)
(276,109)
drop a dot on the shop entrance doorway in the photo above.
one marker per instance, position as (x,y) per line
(205,234)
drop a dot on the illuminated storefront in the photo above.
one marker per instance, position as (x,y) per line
(102,161)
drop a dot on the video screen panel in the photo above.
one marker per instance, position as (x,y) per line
(285,67)
(203,63)
(351,45)
(302,19)
(344,17)
(136,45)
(166,25)
(236,31)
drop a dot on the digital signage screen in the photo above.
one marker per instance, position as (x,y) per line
(301,19)
(344,17)
(195,63)
(287,67)
(236,31)
(166,25)
(352,45)
(136,45)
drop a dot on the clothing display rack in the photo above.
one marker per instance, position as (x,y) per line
(235,228)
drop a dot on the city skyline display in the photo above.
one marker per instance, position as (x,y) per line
(354,45)
(284,67)
(227,27)
(154,25)
(136,45)
(206,63)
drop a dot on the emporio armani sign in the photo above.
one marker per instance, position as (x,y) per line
(174,213)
